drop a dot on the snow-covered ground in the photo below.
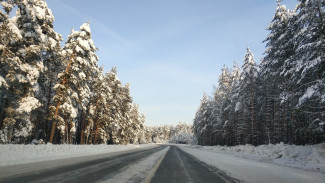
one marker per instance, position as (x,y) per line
(20,154)
(309,157)
(267,163)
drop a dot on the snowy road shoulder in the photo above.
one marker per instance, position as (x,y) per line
(21,154)
(253,171)
(307,157)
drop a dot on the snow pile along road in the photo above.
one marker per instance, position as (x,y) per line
(308,157)
(12,154)
(251,170)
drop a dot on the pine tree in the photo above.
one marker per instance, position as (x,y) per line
(29,43)
(234,102)
(203,125)
(136,126)
(80,50)
(98,114)
(23,78)
(10,36)
(224,87)
(52,62)
(280,48)
(124,106)
(247,92)
(308,68)
(113,106)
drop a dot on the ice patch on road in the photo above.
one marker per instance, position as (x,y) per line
(253,171)
(12,154)
(142,171)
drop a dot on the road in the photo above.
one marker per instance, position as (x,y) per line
(178,166)
(173,166)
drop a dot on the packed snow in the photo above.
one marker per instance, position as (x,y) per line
(12,154)
(142,171)
(308,157)
(266,163)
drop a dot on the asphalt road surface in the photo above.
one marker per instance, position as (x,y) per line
(179,166)
(176,167)
(87,171)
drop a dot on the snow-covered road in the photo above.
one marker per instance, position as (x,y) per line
(254,171)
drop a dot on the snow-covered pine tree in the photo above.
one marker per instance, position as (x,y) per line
(197,125)
(107,120)
(136,125)
(308,69)
(23,78)
(32,41)
(148,133)
(82,67)
(113,107)
(9,38)
(63,111)
(52,62)
(280,47)
(6,34)
(140,134)
(247,92)
(125,103)
(97,112)
(234,102)
(224,87)
(203,125)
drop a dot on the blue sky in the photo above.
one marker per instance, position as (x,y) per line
(170,51)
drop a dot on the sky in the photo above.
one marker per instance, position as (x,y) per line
(170,51)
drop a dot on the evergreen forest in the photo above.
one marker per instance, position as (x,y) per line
(54,93)
(282,99)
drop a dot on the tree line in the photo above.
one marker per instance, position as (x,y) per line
(58,93)
(280,100)
(182,133)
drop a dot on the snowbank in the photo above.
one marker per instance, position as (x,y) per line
(253,171)
(12,154)
(308,157)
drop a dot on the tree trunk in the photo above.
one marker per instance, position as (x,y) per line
(58,104)
(65,130)
(252,116)
(45,125)
(95,135)
(285,133)
(82,128)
